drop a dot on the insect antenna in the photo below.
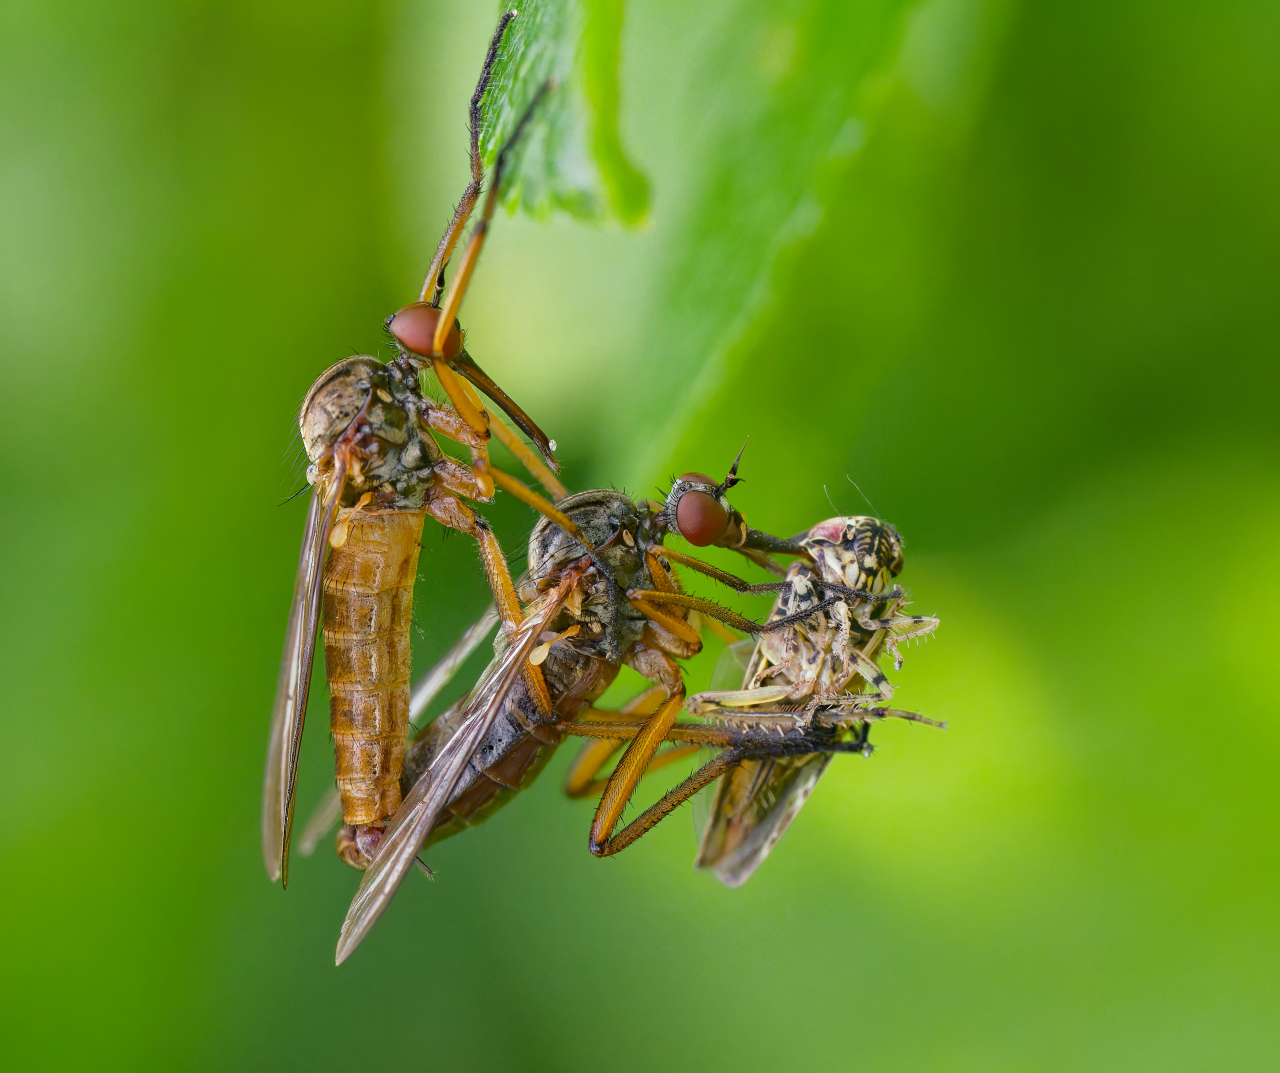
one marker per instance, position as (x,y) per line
(733,477)
(863,494)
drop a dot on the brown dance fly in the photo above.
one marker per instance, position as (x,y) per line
(377,471)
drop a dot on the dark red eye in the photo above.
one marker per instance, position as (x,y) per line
(697,478)
(415,327)
(699,517)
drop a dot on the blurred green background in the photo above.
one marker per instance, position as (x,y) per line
(1011,267)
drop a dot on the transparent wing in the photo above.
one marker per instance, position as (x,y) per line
(290,707)
(424,692)
(756,800)
(324,817)
(754,805)
(418,812)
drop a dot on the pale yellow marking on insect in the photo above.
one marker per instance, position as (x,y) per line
(736,698)
(342,526)
(539,655)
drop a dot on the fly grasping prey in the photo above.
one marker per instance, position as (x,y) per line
(589,558)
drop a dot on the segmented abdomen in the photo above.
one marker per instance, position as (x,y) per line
(368,602)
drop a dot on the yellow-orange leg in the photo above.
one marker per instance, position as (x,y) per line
(678,626)
(463,399)
(596,754)
(626,776)
(472,193)
(644,599)
(458,285)
(449,511)
(531,498)
(581,779)
(667,804)
(531,461)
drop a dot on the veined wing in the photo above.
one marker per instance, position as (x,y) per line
(755,800)
(418,813)
(754,805)
(290,708)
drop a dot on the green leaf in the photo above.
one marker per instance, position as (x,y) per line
(571,159)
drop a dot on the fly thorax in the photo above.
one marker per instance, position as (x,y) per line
(372,408)
(604,516)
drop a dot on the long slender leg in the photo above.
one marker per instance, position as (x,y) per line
(755,743)
(580,780)
(718,628)
(677,626)
(622,783)
(531,461)
(710,700)
(449,510)
(594,757)
(458,287)
(531,498)
(666,805)
(709,607)
(739,585)
(644,599)
(469,196)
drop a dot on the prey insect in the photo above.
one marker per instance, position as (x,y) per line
(802,699)
(592,559)
(816,682)
(377,471)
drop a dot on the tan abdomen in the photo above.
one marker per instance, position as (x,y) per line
(368,601)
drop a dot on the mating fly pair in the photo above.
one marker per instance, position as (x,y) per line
(377,471)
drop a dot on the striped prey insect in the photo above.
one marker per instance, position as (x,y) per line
(377,472)
(594,558)
(818,680)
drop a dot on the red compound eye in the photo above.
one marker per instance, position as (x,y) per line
(415,327)
(700,518)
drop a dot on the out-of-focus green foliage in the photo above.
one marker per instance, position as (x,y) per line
(1009,267)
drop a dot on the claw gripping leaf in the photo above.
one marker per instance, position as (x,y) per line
(571,160)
